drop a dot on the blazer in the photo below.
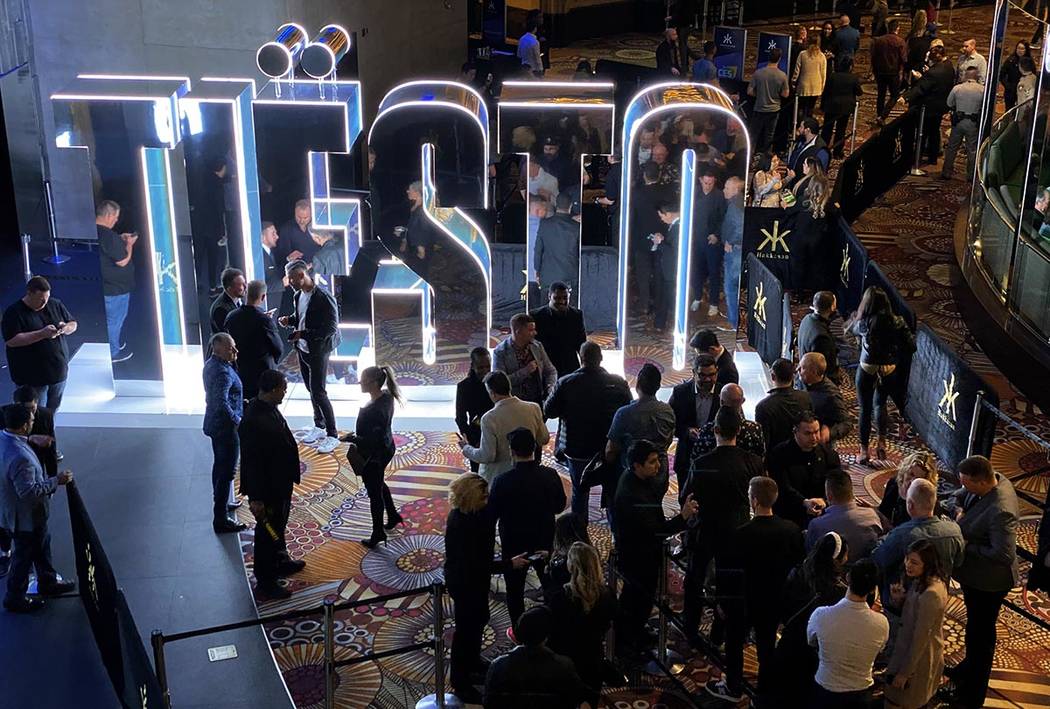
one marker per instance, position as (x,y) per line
(505,360)
(470,539)
(918,652)
(25,491)
(524,500)
(221,307)
(814,335)
(322,321)
(989,527)
(274,276)
(932,89)
(494,452)
(810,74)
(259,347)
(683,403)
(269,454)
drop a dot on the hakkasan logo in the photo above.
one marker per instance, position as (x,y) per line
(946,406)
(760,305)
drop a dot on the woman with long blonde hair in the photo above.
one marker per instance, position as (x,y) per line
(914,466)
(809,76)
(372,448)
(810,224)
(582,611)
(470,540)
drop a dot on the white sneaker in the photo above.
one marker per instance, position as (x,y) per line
(327,444)
(309,434)
(712,311)
(694,306)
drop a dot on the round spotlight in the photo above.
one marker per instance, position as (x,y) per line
(278,57)
(321,56)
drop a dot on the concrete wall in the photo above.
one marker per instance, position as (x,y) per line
(398,40)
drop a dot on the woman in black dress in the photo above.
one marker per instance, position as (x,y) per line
(373,441)
(470,538)
(1010,73)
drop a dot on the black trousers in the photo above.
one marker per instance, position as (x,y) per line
(836,125)
(663,295)
(515,581)
(886,85)
(379,498)
(640,579)
(32,550)
(707,260)
(806,104)
(269,549)
(313,367)
(741,617)
(763,126)
(931,135)
(974,672)
(225,450)
(873,392)
(471,614)
(824,699)
(642,260)
(700,557)
(5,540)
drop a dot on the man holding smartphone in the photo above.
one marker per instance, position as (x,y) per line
(315,334)
(253,328)
(118,275)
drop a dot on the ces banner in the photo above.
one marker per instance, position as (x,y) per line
(770,40)
(729,52)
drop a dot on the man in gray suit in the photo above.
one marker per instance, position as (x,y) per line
(556,253)
(988,515)
(25,505)
(522,358)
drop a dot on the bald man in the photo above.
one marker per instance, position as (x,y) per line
(223,408)
(942,533)
(828,404)
(750,437)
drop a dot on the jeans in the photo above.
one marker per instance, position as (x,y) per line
(973,673)
(314,368)
(763,126)
(269,548)
(731,284)
(872,392)
(379,498)
(580,495)
(964,130)
(32,549)
(226,448)
(116,313)
(53,394)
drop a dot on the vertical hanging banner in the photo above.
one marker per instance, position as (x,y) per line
(853,264)
(765,316)
(771,40)
(494,23)
(729,53)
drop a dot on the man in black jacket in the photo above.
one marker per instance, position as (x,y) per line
(315,333)
(473,400)
(525,501)
(233,285)
(931,93)
(814,332)
(667,57)
(841,91)
(709,207)
(695,403)
(800,465)
(560,329)
(808,144)
(645,222)
(780,410)
(718,482)
(828,404)
(706,342)
(639,529)
(586,402)
(556,252)
(269,470)
(531,674)
(259,346)
(665,263)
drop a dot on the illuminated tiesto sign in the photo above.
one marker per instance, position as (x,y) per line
(299,136)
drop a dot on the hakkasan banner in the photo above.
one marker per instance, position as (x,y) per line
(765,311)
(875,166)
(942,391)
(140,687)
(98,588)
(852,260)
(771,234)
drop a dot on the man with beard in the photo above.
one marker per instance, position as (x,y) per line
(560,329)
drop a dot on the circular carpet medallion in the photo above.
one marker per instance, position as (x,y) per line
(635,55)
(303,670)
(406,562)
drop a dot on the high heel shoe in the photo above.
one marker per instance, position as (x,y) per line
(880,453)
(393,522)
(374,541)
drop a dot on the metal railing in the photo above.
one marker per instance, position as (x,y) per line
(327,611)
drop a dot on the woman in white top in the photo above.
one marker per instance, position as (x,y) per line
(811,69)
(767,183)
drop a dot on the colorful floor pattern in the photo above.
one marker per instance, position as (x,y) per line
(908,232)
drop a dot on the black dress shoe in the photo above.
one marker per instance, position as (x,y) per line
(233,506)
(26,605)
(227,526)
(55,589)
(290,567)
(273,591)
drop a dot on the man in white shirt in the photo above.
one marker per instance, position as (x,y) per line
(848,636)
(508,414)
(542,183)
(529,49)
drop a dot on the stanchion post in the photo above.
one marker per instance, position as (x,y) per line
(794,120)
(853,135)
(329,653)
(52,226)
(156,639)
(27,270)
(703,21)
(978,402)
(661,586)
(916,171)
(610,634)
(438,700)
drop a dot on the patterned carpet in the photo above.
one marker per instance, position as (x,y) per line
(908,233)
